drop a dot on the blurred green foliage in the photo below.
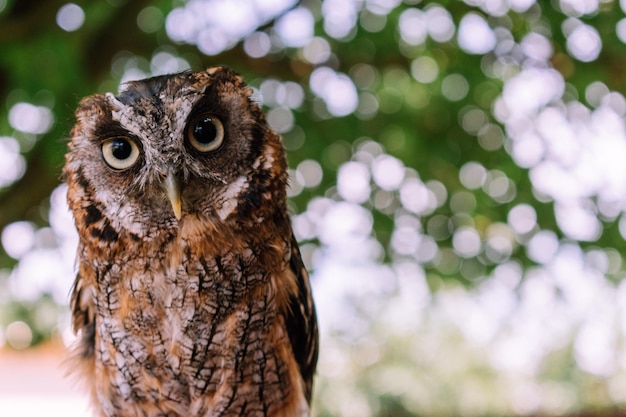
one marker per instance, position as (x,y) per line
(414,121)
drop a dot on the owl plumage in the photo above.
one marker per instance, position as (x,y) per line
(191,298)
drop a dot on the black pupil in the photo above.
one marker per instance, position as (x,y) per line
(204,130)
(121,149)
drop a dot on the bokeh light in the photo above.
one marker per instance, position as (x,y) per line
(29,118)
(13,163)
(150,19)
(456,182)
(474,35)
(19,335)
(295,28)
(336,89)
(583,41)
(70,17)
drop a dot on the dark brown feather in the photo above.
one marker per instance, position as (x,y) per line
(301,321)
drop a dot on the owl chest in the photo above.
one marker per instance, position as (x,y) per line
(190,334)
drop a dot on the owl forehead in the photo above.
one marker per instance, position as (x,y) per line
(160,118)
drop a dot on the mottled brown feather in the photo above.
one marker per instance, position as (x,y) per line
(207,315)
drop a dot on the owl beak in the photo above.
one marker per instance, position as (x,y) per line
(171,185)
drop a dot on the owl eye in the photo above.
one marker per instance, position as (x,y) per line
(205,133)
(120,153)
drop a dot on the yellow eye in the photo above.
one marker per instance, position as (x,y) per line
(120,153)
(205,133)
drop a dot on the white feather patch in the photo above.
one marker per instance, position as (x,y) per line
(267,157)
(231,195)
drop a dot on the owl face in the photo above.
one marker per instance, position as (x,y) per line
(172,148)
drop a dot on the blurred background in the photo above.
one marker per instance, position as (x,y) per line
(458,185)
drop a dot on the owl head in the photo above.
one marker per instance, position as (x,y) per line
(174,149)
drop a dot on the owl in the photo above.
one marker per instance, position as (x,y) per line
(191,298)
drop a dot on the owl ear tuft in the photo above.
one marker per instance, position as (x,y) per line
(226,74)
(116,105)
(213,70)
